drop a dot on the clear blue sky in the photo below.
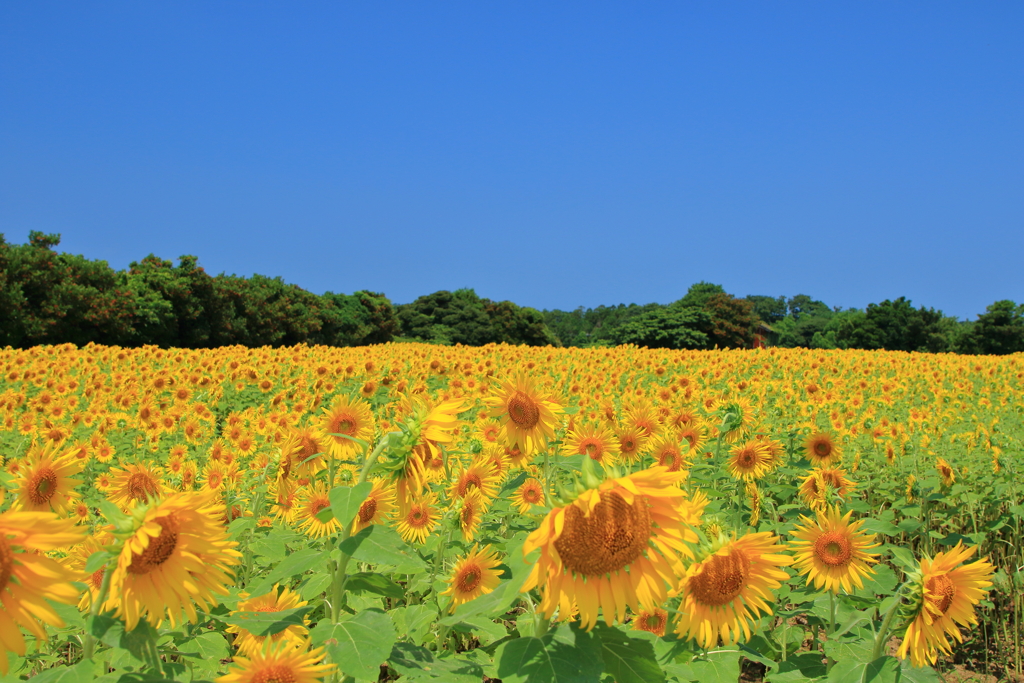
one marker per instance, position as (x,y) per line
(552,154)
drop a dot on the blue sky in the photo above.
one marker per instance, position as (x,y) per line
(552,154)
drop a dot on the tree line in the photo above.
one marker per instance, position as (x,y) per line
(51,297)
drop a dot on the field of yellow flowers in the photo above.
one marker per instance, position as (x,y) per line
(430,513)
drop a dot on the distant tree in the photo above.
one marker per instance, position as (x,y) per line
(999,330)
(768,309)
(356,319)
(669,327)
(699,293)
(463,317)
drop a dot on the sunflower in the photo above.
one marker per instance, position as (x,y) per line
(832,551)
(750,460)
(643,416)
(285,497)
(283,661)
(816,487)
(179,554)
(821,449)
(471,512)
(480,476)
(947,591)
(613,547)
(249,644)
(596,441)
(529,493)
(474,575)
(652,621)
(694,434)
(378,504)
(419,519)
(45,481)
(728,589)
(527,417)
(79,556)
(311,501)
(736,418)
(669,452)
(136,484)
(632,444)
(347,417)
(946,471)
(28,578)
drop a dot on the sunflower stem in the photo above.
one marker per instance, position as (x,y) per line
(547,480)
(89,644)
(832,626)
(883,632)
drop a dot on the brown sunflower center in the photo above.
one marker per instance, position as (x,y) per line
(467,481)
(652,622)
(943,591)
(141,486)
(532,495)
(159,549)
(746,458)
(367,510)
(344,425)
(96,578)
(317,505)
(592,448)
(468,514)
(42,486)
(469,579)
(418,517)
(722,578)
(274,673)
(834,549)
(612,537)
(6,563)
(822,449)
(523,410)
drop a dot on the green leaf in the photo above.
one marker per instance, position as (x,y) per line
(413,621)
(912,674)
(346,500)
(359,643)
(267,623)
(882,580)
(297,563)
(211,647)
(419,664)
(878,526)
(83,672)
(882,670)
(315,585)
(137,640)
(379,544)
(630,660)
(497,602)
(97,560)
(484,628)
(902,556)
(567,655)
(797,668)
(372,582)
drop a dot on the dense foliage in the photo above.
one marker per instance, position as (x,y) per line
(49,297)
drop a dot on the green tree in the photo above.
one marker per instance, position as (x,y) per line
(667,327)
(999,330)
(769,309)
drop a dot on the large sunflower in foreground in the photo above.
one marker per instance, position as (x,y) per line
(727,590)
(527,416)
(178,557)
(345,417)
(947,592)
(613,547)
(832,551)
(45,480)
(28,578)
(285,662)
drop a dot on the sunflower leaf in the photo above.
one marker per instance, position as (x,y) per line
(371,582)
(377,544)
(419,664)
(267,623)
(631,660)
(359,643)
(346,501)
(566,655)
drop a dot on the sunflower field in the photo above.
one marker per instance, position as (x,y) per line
(501,513)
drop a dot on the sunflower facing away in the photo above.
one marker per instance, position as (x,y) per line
(28,578)
(613,547)
(832,551)
(178,555)
(474,575)
(249,644)
(527,416)
(45,480)
(727,590)
(947,592)
(281,662)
